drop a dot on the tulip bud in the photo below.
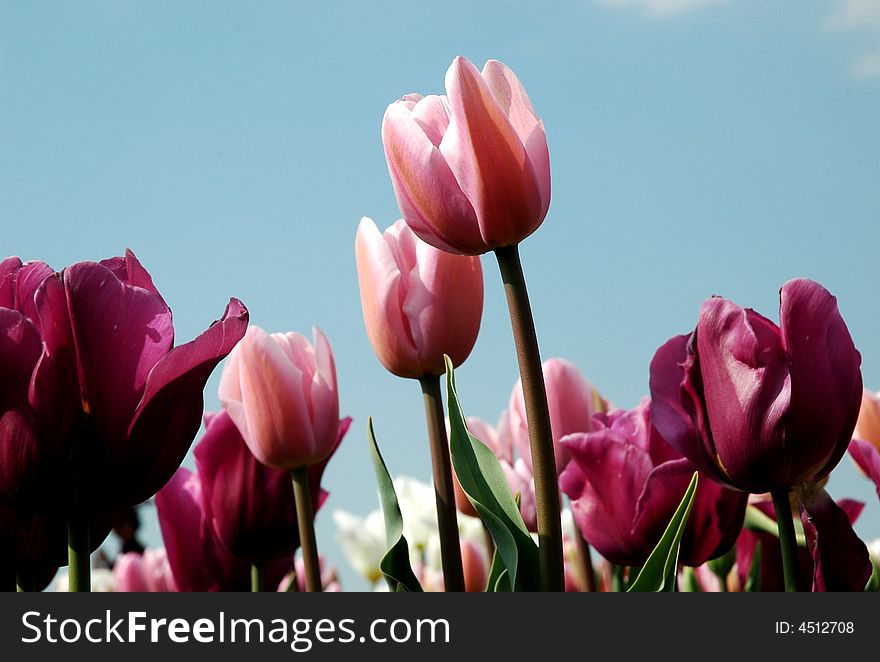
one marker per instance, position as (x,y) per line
(570,398)
(471,170)
(281,393)
(419,302)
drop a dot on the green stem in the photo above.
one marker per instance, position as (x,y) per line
(258,583)
(305,516)
(78,554)
(447,521)
(551,569)
(787,539)
(25,583)
(618,579)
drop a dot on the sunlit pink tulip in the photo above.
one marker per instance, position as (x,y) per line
(571,399)
(281,393)
(329,580)
(868,425)
(471,169)
(419,302)
(149,572)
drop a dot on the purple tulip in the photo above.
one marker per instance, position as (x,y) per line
(625,483)
(766,408)
(149,572)
(757,406)
(199,561)
(250,506)
(93,380)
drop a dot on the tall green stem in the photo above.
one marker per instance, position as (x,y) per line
(447,521)
(552,577)
(258,584)
(78,554)
(787,539)
(305,515)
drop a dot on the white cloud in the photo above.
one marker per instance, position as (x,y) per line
(849,14)
(866,65)
(660,8)
(862,16)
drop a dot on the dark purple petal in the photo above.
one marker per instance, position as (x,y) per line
(251,506)
(54,392)
(22,457)
(168,415)
(826,380)
(27,281)
(714,523)
(677,412)
(663,491)
(746,388)
(198,561)
(8,269)
(840,559)
(120,333)
(604,479)
(868,459)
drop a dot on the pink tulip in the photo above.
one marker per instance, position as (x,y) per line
(868,425)
(471,170)
(281,393)
(329,580)
(149,572)
(419,303)
(570,398)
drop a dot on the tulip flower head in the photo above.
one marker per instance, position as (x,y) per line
(419,302)
(471,169)
(281,393)
(758,406)
(93,381)
(625,483)
(868,425)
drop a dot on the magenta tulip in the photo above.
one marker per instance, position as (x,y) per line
(471,170)
(758,406)
(199,562)
(250,506)
(149,572)
(571,399)
(625,482)
(867,458)
(419,302)
(281,393)
(767,408)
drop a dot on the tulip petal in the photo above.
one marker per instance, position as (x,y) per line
(27,281)
(868,425)
(661,495)
(181,522)
(168,415)
(826,380)
(429,196)
(512,97)
(8,268)
(840,559)
(250,506)
(868,459)
(129,270)
(747,390)
(379,279)
(604,480)
(677,412)
(489,160)
(120,333)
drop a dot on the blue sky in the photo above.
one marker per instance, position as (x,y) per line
(697,147)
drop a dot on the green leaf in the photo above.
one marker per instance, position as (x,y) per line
(873,585)
(753,583)
(722,565)
(758,521)
(689,583)
(395,564)
(482,479)
(659,572)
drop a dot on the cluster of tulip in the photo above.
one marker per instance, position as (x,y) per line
(722,466)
